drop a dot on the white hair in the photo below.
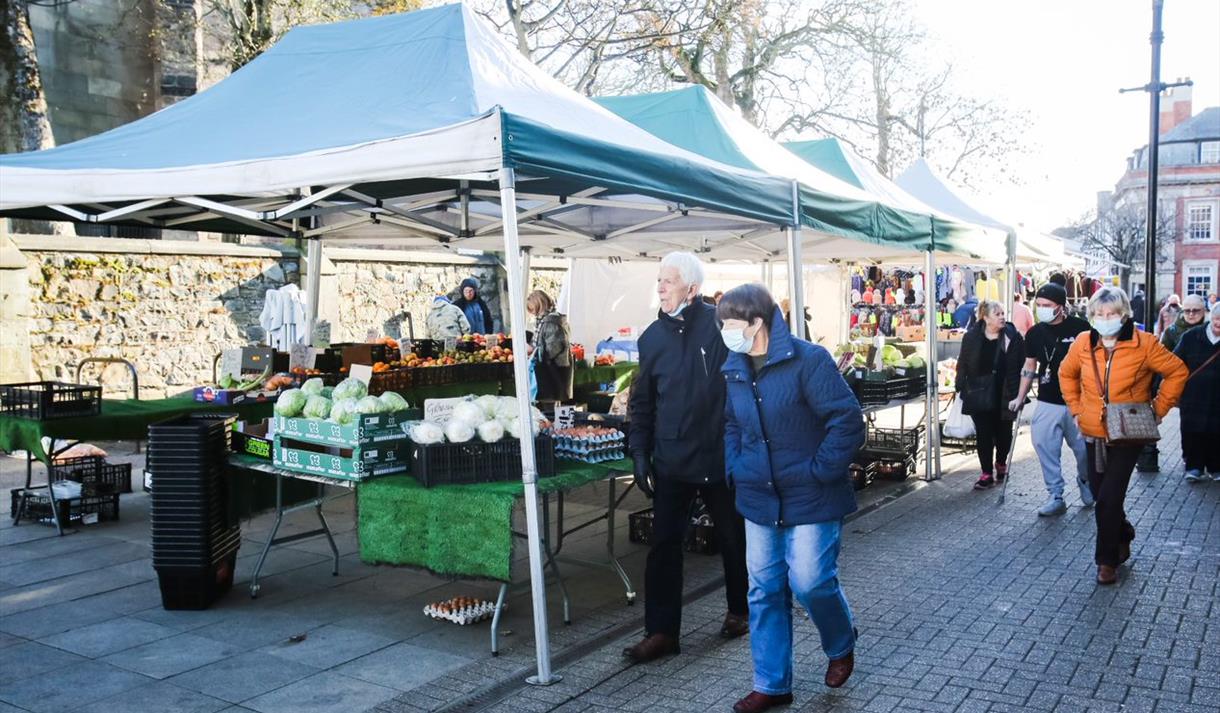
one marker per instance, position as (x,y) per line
(1195,300)
(1215,310)
(1112,297)
(689,267)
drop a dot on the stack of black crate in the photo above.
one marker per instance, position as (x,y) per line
(194,535)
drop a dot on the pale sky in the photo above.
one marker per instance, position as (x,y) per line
(1064,61)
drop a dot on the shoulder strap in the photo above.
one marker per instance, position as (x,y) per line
(1204,365)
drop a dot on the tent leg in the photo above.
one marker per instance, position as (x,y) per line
(525,272)
(1010,274)
(529,468)
(313,286)
(796,290)
(931,410)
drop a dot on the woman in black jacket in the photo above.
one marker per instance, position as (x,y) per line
(988,377)
(551,347)
(1200,404)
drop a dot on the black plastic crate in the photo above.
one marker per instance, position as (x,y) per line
(44,400)
(38,506)
(871,393)
(427,348)
(700,537)
(96,476)
(477,462)
(902,443)
(196,588)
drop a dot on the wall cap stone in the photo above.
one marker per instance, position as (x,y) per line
(10,255)
(404,256)
(76,244)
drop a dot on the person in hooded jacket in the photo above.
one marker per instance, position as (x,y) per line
(792,427)
(446,320)
(677,446)
(1199,349)
(474,307)
(988,379)
(551,348)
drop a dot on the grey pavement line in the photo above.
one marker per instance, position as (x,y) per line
(493,693)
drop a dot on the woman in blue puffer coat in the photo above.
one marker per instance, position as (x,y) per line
(792,427)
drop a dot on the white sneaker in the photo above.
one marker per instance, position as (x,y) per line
(1195,476)
(1086,494)
(1054,506)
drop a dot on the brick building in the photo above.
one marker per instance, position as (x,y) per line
(1188,195)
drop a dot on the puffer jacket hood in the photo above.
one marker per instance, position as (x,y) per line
(791,430)
(470,282)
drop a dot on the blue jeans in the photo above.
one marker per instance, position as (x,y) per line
(801,562)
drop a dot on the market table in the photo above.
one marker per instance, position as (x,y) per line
(466,530)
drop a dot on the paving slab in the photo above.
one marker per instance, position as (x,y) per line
(403,666)
(97,640)
(31,658)
(173,655)
(244,676)
(157,697)
(70,687)
(328,646)
(325,692)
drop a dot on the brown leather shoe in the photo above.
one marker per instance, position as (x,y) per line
(839,670)
(653,647)
(757,702)
(1106,574)
(735,626)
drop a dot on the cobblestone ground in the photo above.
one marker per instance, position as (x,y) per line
(963,605)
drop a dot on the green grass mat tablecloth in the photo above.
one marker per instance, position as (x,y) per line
(120,420)
(455,530)
(595,376)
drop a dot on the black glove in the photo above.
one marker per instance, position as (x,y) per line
(643,473)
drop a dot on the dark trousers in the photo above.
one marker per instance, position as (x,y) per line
(993,434)
(1110,489)
(663,574)
(1201,451)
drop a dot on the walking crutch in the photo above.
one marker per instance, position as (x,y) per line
(1012,448)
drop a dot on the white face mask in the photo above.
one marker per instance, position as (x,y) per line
(1046,314)
(681,306)
(736,340)
(1108,327)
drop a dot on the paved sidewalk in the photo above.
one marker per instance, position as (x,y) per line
(963,606)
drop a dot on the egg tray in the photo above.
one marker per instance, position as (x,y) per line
(462,610)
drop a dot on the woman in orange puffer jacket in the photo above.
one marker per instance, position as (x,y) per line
(1127,360)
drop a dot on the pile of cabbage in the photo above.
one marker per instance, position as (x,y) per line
(491,418)
(342,404)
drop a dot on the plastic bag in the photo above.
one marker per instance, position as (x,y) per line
(958,424)
(533,380)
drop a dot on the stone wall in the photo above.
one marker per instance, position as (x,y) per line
(168,313)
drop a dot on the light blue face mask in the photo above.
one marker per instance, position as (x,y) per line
(1108,327)
(681,306)
(737,341)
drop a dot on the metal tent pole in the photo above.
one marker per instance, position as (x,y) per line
(525,272)
(529,468)
(1010,274)
(796,291)
(931,412)
(313,286)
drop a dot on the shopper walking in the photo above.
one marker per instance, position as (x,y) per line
(1046,344)
(551,348)
(677,445)
(1167,315)
(473,306)
(1194,310)
(792,427)
(1114,364)
(1022,318)
(1199,349)
(988,376)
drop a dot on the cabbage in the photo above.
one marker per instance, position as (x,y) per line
(459,431)
(488,403)
(393,402)
(316,407)
(313,387)
(468,412)
(290,403)
(426,433)
(343,411)
(329,392)
(507,407)
(514,428)
(369,404)
(351,388)
(491,431)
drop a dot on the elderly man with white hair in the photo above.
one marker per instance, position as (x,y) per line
(677,444)
(1199,348)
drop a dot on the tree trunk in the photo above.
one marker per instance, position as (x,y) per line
(24,125)
(883,116)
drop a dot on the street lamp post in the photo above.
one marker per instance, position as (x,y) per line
(1148,459)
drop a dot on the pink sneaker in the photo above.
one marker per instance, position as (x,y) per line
(984,482)
(1001,472)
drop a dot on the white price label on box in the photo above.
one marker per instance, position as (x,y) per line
(565,416)
(230,363)
(370,336)
(361,372)
(302,355)
(451,344)
(440,410)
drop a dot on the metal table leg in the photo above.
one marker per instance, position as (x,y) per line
(495,620)
(550,553)
(280,511)
(611,510)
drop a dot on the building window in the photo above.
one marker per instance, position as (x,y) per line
(1200,222)
(1209,152)
(1200,278)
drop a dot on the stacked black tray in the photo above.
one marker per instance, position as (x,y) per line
(194,536)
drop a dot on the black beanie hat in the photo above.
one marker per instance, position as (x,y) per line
(1053,292)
